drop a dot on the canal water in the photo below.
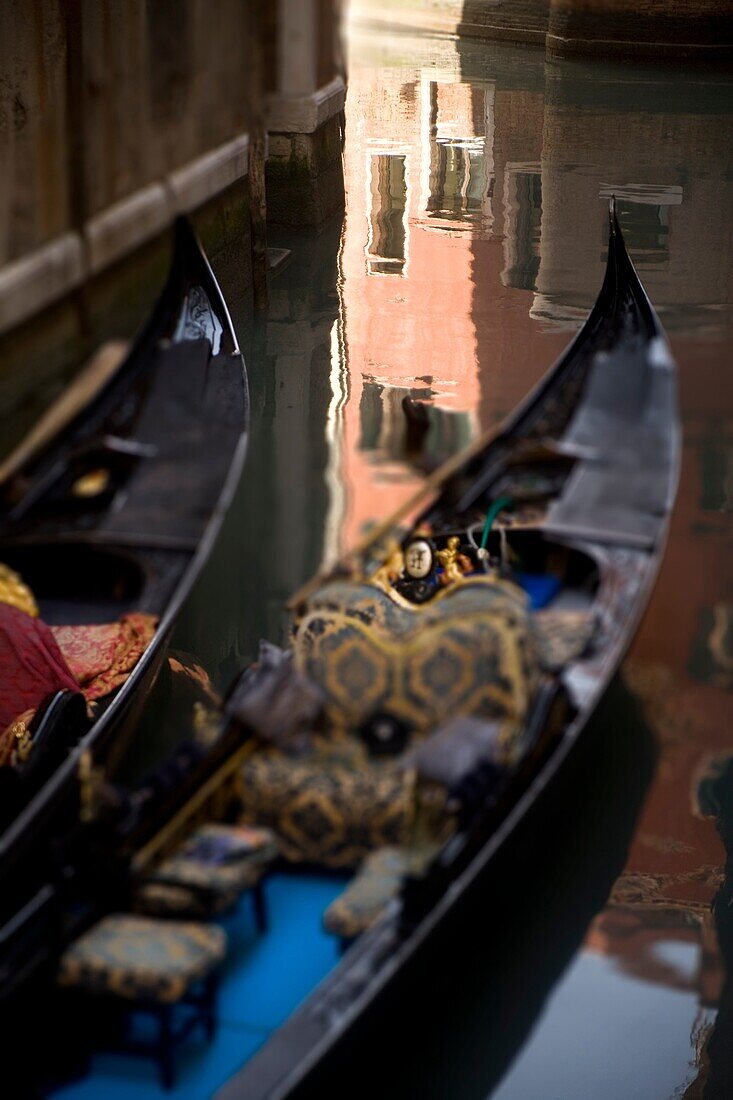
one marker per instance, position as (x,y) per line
(473,244)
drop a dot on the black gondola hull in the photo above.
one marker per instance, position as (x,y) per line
(608,407)
(170,431)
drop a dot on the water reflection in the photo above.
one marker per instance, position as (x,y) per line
(715,797)
(502,165)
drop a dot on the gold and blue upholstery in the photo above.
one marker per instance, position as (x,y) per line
(470,650)
(141,959)
(377,882)
(329,806)
(208,872)
(562,636)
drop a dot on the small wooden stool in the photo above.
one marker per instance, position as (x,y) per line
(209,872)
(154,966)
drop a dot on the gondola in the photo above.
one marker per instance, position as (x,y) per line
(114,515)
(553,528)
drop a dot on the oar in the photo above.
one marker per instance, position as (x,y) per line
(87,384)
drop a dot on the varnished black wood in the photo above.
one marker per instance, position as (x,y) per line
(170,429)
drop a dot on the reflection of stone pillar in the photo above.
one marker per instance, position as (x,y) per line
(285,494)
(305,175)
(699,29)
(520,21)
(659,149)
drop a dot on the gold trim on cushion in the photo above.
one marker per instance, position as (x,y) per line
(488,580)
(14,591)
(139,958)
(470,650)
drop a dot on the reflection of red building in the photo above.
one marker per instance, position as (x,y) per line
(474,244)
(403,269)
(655,153)
(424,304)
(674,865)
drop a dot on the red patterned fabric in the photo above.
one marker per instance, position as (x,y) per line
(32,665)
(37,660)
(102,655)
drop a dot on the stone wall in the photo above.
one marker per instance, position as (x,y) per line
(116,115)
(34,198)
(605,28)
(101,100)
(698,30)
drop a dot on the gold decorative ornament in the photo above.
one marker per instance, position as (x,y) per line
(23,741)
(391,569)
(15,592)
(91,484)
(455,565)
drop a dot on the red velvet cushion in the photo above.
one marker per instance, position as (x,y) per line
(32,665)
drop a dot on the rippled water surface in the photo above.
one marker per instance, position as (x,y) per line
(473,244)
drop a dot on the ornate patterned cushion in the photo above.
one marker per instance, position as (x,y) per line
(142,959)
(158,899)
(378,880)
(331,806)
(209,871)
(563,636)
(470,650)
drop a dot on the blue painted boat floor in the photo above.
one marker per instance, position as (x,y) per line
(264,980)
(540,587)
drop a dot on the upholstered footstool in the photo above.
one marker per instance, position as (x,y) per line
(153,966)
(376,883)
(209,872)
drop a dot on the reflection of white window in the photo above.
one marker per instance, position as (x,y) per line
(459,183)
(457,134)
(523,215)
(387,243)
